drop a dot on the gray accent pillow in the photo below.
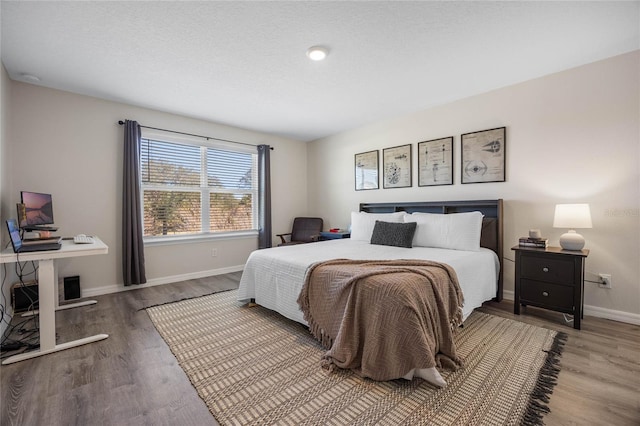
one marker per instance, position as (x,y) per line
(393,234)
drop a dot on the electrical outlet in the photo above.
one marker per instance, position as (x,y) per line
(214,252)
(605,281)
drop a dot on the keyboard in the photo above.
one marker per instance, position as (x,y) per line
(83,239)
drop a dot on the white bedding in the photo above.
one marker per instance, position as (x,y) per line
(274,277)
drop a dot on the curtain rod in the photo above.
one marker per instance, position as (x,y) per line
(120,122)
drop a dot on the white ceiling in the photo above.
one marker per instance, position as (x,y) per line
(244,63)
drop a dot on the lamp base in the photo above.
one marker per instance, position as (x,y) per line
(572,241)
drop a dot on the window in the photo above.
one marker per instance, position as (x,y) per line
(190,189)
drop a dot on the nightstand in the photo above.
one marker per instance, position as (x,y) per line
(550,278)
(333,235)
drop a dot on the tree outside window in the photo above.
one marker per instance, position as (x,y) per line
(194,190)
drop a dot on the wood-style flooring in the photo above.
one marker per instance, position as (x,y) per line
(132,378)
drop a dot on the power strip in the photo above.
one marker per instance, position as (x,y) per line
(11,347)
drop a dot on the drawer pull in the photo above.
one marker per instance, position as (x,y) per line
(545,269)
(545,294)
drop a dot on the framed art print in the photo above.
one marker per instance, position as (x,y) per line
(435,162)
(396,167)
(366,169)
(483,156)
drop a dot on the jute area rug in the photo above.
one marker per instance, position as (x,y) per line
(251,366)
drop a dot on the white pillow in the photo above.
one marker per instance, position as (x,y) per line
(362,223)
(457,231)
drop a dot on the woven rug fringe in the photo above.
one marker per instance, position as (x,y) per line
(548,378)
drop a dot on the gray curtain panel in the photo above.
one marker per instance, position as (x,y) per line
(264,197)
(133,270)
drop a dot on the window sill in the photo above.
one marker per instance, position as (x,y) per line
(177,239)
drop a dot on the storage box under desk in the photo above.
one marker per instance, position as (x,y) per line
(24,296)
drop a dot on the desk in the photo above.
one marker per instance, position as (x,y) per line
(48,293)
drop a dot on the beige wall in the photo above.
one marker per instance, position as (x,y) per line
(573,136)
(5,179)
(5,84)
(70,146)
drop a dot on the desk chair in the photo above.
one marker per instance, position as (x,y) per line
(305,230)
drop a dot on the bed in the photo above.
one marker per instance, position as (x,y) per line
(273,278)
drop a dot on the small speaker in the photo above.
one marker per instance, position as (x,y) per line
(71,287)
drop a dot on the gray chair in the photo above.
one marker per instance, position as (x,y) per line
(305,230)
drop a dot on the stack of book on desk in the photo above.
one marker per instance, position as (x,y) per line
(37,241)
(533,242)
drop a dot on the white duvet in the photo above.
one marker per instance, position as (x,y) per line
(274,277)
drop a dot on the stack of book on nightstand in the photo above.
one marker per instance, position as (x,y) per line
(534,242)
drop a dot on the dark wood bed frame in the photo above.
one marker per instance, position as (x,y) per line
(491,237)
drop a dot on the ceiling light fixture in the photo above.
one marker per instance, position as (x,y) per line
(317,53)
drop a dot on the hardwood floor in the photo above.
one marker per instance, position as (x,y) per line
(132,378)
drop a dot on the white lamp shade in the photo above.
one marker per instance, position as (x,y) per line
(572,216)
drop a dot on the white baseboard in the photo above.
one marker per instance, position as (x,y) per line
(508,294)
(596,311)
(97,291)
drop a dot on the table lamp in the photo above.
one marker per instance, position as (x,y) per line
(572,216)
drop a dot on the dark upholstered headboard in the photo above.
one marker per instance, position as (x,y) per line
(491,236)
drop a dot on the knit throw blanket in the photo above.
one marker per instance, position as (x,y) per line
(383,318)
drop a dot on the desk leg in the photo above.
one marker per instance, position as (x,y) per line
(47,284)
(62,307)
(46,300)
(56,348)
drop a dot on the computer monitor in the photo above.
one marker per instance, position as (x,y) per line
(38,209)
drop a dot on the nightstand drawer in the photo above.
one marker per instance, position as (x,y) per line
(548,269)
(546,295)
(550,278)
